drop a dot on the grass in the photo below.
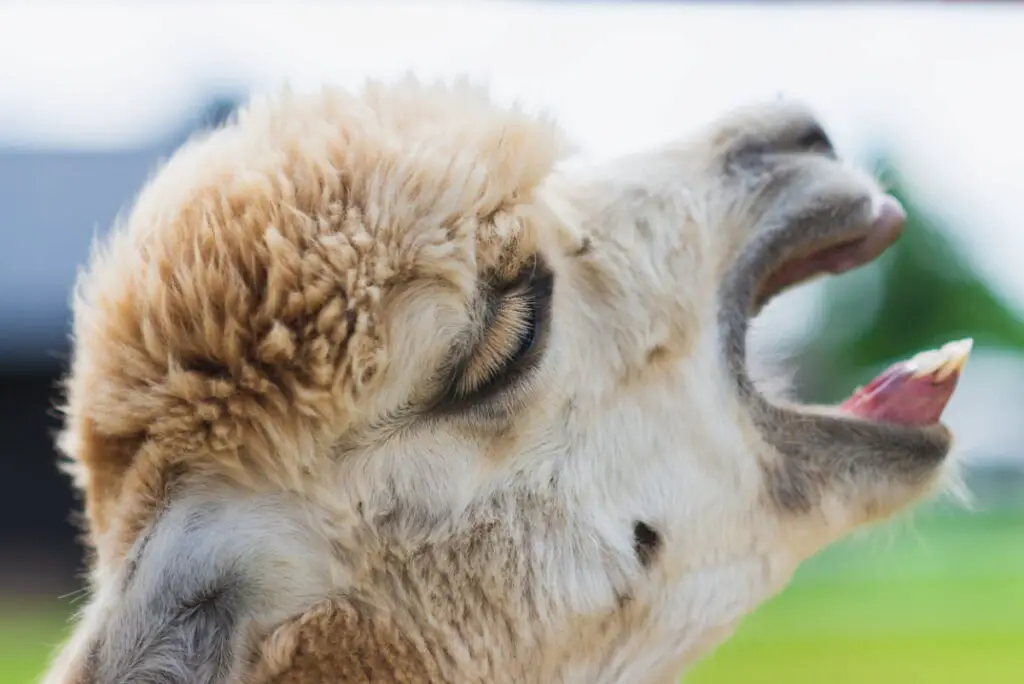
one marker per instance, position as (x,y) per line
(29,633)
(942,603)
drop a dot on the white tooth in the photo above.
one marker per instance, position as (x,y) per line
(956,356)
(926,362)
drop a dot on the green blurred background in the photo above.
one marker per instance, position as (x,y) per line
(935,597)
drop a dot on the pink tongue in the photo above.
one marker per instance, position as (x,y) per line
(896,396)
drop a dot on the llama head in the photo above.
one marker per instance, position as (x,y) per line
(368,388)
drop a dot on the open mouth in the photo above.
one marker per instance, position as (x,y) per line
(912,393)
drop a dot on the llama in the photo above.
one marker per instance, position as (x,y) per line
(370,388)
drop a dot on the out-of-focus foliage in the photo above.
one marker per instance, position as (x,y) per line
(920,294)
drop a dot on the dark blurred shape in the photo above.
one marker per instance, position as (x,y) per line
(55,202)
(219,111)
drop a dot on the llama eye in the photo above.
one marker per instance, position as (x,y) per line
(512,343)
(510,337)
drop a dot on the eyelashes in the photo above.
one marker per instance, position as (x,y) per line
(511,335)
(512,341)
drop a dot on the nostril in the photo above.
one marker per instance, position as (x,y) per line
(814,139)
(808,138)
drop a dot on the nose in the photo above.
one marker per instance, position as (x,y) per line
(889,222)
(891,216)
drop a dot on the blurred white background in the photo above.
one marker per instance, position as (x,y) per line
(106,76)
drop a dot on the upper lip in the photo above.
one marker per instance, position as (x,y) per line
(838,256)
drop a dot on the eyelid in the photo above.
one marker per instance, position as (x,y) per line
(535,285)
(515,312)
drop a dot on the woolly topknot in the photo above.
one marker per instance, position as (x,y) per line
(236,313)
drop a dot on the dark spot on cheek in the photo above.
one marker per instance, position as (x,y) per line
(646,542)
